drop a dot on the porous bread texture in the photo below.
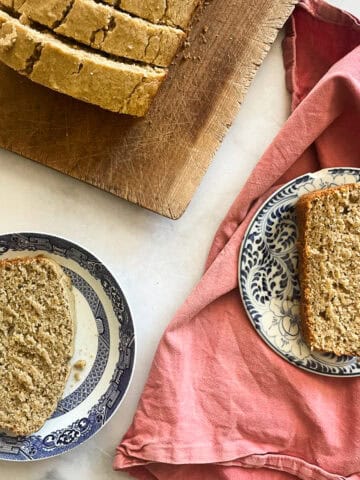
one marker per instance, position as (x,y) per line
(36,341)
(113,85)
(329,267)
(105,28)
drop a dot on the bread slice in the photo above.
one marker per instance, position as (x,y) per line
(113,85)
(36,341)
(170,12)
(329,266)
(104,28)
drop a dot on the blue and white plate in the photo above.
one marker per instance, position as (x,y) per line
(104,339)
(268,275)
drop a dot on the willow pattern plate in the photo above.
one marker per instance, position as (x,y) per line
(104,339)
(268,275)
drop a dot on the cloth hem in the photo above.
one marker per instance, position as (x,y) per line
(289,57)
(299,467)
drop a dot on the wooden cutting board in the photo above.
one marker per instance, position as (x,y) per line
(156,162)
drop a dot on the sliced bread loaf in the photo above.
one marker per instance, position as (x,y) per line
(36,341)
(170,12)
(113,85)
(105,28)
(329,266)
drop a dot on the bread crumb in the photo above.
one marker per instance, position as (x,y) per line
(25,20)
(8,37)
(77,376)
(80,364)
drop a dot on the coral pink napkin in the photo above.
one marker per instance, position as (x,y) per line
(219,404)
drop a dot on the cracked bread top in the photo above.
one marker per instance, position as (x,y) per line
(329,265)
(36,341)
(170,12)
(104,28)
(113,85)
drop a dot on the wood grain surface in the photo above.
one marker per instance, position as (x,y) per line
(158,161)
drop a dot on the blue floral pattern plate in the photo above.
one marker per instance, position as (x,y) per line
(104,339)
(268,275)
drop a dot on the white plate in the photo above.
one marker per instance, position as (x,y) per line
(104,339)
(268,275)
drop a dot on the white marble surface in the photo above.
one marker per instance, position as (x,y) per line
(156,261)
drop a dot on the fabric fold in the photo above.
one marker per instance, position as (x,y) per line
(219,403)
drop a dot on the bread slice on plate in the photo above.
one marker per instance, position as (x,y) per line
(329,266)
(36,341)
(105,28)
(111,84)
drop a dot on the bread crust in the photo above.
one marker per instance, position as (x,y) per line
(302,208)
(112,85)
(106,29)
(172,12)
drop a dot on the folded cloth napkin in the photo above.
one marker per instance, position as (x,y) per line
(219,403)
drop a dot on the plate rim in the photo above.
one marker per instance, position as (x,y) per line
(79,443)
(318,173)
